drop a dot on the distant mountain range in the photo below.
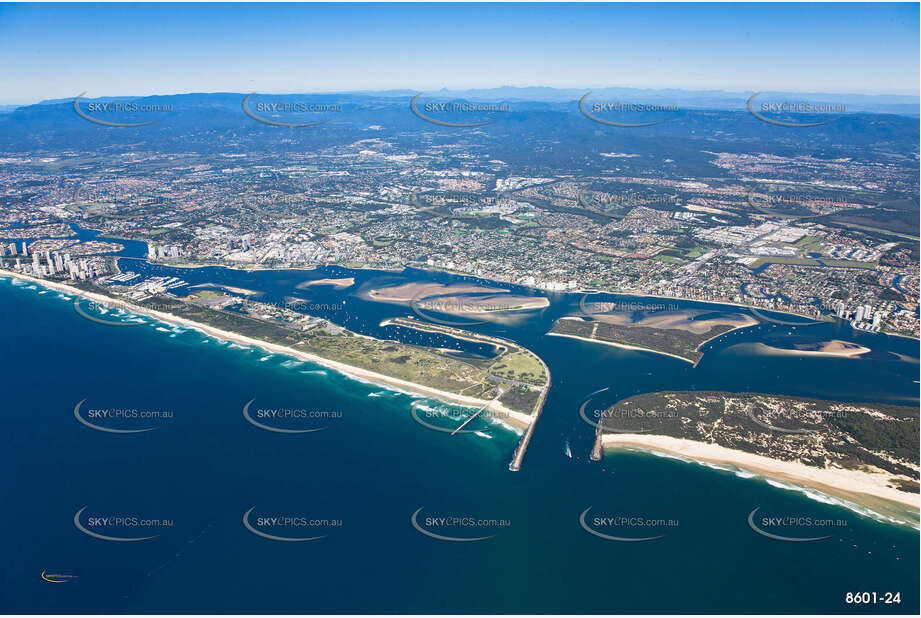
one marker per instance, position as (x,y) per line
(908,105)
(702,120)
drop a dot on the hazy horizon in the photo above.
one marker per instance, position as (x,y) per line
(574,91)
(56,52)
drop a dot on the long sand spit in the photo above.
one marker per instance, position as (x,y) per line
(514,418)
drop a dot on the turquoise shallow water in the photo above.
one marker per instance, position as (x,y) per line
(372,467)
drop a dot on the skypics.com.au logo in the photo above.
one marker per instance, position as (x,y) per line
(289,114)
(453,528)
(613,420)
(288,527)
(590,307)
(626,114)
(451,113)
(120,528)
(291,304)
(120,420)
(626,528)
(120,113)
(794,528)
(110,313)
(285,420)
(785,109)
(463,310)
(463,422)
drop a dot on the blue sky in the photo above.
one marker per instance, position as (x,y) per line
(58,51)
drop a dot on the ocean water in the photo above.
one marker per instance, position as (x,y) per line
(369,466)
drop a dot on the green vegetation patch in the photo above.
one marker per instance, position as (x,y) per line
(783,260)
(809,244)
(848,263)
(520,367)
(668,259)
(677,342)
(815,432)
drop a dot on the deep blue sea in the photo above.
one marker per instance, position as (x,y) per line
(359,479)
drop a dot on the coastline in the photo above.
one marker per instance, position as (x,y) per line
(512,417)
(855,486)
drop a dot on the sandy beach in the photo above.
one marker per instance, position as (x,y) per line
(865,488)
(517,419)
(407,292)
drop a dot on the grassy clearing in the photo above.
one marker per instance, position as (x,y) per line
(519,366)
(809,244)
(848,264)
(782,260)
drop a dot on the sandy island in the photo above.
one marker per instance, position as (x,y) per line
(483,304)
(678,320)
(857,486)
(228,288)
(673,320)
(407,292)
(835,347)
(516,420)
(339,284)
(457,299)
